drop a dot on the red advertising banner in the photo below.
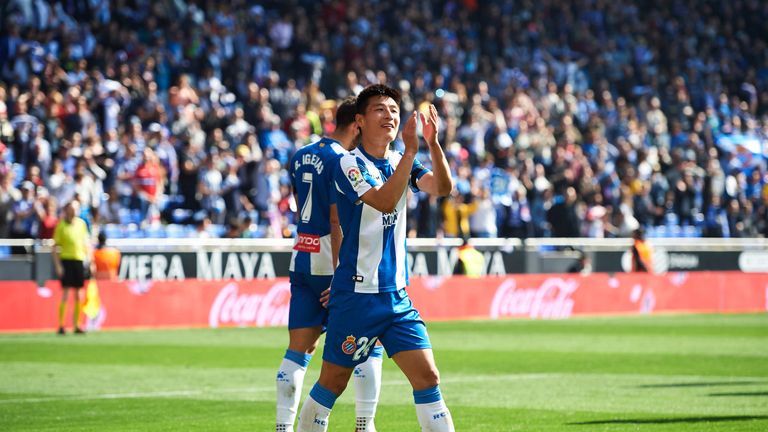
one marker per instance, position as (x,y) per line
(259,303)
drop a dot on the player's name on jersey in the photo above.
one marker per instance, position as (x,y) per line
(310,159)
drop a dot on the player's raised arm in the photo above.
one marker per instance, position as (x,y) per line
(385,198)
(438,182)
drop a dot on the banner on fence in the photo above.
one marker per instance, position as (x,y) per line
(259,303)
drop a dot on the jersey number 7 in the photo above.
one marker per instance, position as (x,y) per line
(306,209)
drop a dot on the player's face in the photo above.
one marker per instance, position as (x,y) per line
(381,120)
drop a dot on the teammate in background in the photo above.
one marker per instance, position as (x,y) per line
(642,254)
(311,270)
(71,252)
(368,301)
(106,260)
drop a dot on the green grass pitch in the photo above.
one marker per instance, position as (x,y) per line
(644,373)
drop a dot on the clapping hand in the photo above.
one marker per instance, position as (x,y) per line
(431,125)
(410,139)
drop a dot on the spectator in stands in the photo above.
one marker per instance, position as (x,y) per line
(482,222)
(209,188)
(111,209)
(563,215)
(456,214)
(652,109)
(25,221)
(48,215)
(8,197)
(149,183)
(202,227)
(425,216)
(516,218)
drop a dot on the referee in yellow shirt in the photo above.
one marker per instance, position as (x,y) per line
(72,250)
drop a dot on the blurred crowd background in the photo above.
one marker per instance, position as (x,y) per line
(591,118)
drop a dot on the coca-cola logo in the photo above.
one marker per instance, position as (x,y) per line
(261,310)
(551,300)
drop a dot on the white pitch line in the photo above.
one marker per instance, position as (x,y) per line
(137,395)
(201,392)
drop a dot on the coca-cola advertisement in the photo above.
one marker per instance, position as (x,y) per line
(233,307)
(552,299)
(261,303)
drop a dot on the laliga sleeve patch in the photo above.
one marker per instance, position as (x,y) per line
(354,176)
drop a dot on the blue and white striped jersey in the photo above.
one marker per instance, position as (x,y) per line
(372,257)
(311,169)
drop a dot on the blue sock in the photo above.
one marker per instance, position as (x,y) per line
(300,358)
(323,396)
(429,395)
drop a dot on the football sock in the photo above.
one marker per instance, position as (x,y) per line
(367,382)
(290,377)
(76,315)
(316,410)
(62,311)
(431,411)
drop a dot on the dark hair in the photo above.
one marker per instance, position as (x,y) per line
(375,90)
(345,113)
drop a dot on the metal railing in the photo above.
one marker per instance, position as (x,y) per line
(531,244)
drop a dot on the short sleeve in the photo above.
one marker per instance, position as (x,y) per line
(352,178)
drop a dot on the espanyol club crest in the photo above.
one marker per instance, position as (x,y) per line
(349,345)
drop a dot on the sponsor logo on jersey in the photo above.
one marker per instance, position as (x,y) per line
(307,243)
(349,345)
(389,219)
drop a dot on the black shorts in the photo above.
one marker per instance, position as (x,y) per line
(73,274)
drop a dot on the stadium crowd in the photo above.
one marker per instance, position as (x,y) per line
(586,118)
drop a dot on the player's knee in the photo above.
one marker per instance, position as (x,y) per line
(303,344)
(311,349)
(307,346)
(334,379)
(335,385)
(430,377)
